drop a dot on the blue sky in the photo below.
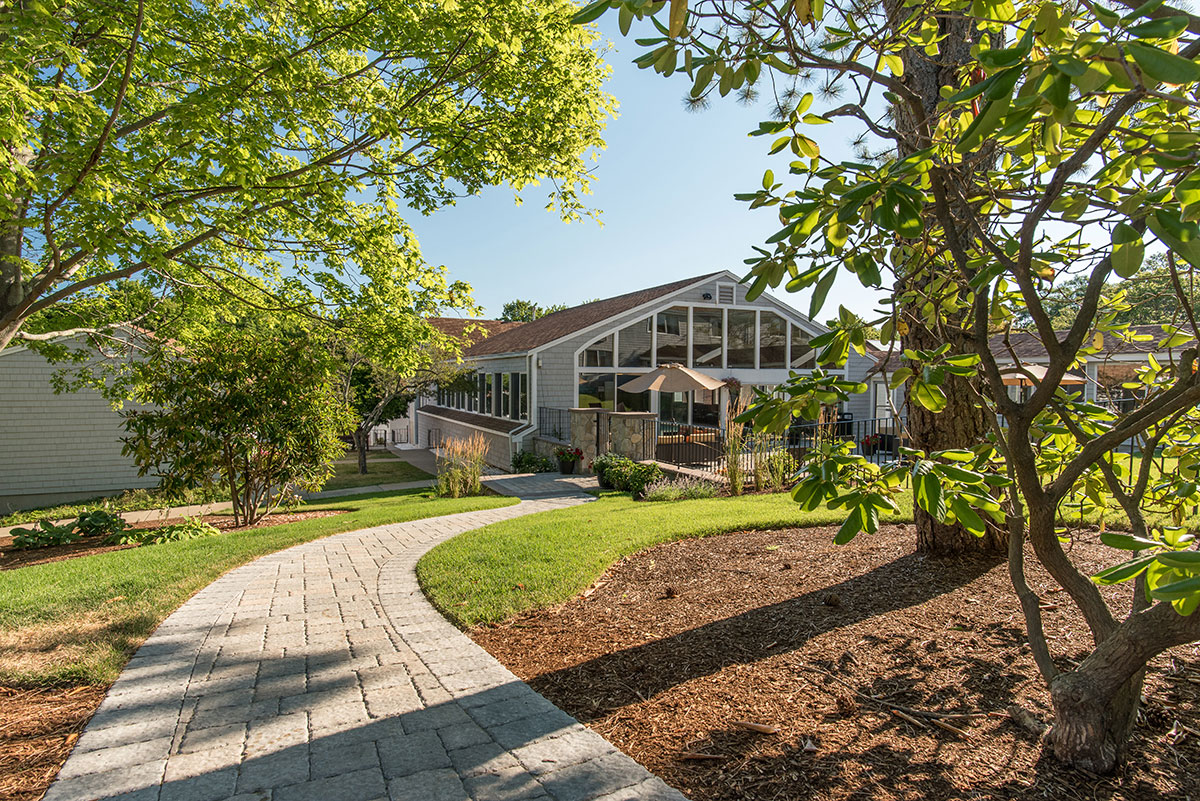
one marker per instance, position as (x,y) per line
(665,187)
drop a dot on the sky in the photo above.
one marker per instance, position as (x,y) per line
(665,187)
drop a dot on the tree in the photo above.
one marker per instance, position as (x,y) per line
(233,146)
(259,414)
(1063,153)
(727,46)
(526,311)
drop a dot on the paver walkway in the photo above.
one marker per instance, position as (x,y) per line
(321,673)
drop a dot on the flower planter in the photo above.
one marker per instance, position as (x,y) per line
(567,467)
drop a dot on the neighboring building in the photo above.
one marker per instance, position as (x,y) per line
(56,448)
(525,375)
(1103,374)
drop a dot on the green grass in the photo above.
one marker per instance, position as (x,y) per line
(492,573)
(382,468)
(79,620)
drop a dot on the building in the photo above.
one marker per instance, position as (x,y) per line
(524,377)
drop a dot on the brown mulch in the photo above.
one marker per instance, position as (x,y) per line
(38,727)
(11,558)
(675,646)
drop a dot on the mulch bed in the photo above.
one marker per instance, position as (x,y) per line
(677,644)
(11,558)
(38,727)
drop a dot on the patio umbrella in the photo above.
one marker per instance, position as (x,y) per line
(672,378)
(1019,376)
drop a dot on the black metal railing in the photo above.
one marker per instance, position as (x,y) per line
(554,424)
(694,446)
(877,439)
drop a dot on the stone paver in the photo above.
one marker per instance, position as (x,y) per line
(321,672)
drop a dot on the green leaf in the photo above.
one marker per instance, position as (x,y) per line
(1177,590)
(1124,571)
(1127,542)
(1181,237)
(1163,66)
(1128,250)
(970,520)
(590,12)
(988,120)
(1164,28)
(821,290)
(1183,560)
(929,396)
(899,377)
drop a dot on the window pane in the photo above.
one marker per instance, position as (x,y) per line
(803,356)
(596,390)
(524,396)
(705,408)
(672,336)
(631,401)
(772,341)
(505,395)
(707,325)
(741,339)
(673,407)
(634,343)
(489,397)
(598,354)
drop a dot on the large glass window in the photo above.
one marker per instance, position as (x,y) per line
(803,356)
(741,339)
(489,393)
(631,401)
(596,390)
(598,354)
(707,328)
(505,395)
(672,344)
(633,343)
(524,408)
(772,341)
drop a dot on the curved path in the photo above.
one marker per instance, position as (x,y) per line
(321,673)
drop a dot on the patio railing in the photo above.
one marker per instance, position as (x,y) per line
(554,423)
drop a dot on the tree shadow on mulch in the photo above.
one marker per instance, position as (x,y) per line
(641,672)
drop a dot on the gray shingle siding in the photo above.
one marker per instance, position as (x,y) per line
(56,447)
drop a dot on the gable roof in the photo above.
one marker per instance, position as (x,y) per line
(524,337)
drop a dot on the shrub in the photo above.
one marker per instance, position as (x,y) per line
(630,476)
(604,463)
(44,535)
(255,412)
(775,469)
(190,528)
(679,489)
(100,523)
(460,465)
(530,462)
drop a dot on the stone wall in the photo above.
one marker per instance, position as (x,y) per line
(630,436)
(584,425)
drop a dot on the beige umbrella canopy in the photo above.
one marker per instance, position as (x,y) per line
(1019,375)
(672,378)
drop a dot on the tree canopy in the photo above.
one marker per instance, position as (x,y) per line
(242,146)
(526,311)
(1014,143)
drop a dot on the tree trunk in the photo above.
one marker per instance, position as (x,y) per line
(961,424)
(360,445)
(1091,728)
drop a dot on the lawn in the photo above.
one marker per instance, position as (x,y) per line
(78,620)
(382,468)
(489,574)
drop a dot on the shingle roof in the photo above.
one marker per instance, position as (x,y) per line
(456,327)
(526,336)
(498,424)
